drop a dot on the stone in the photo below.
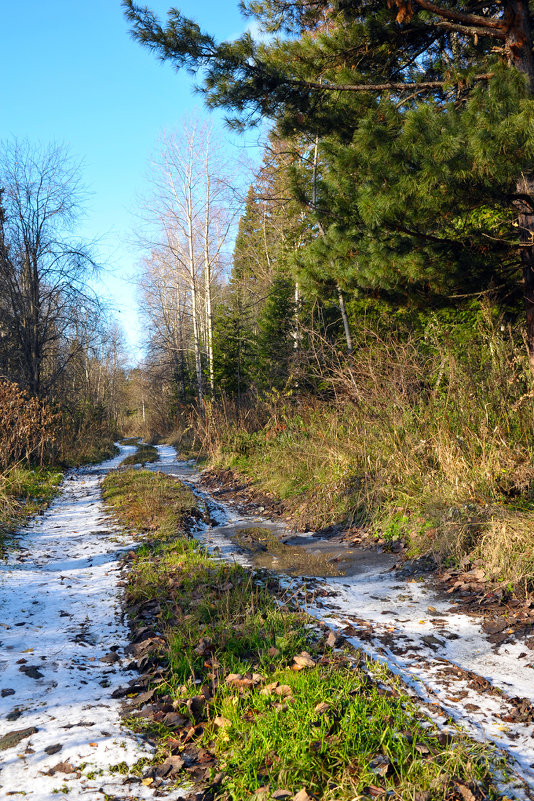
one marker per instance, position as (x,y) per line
(13,738)
(32,671)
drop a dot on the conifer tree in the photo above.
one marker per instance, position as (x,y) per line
(429,106)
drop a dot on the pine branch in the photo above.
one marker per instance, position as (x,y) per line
(460,16)
(386,87)
(469,31)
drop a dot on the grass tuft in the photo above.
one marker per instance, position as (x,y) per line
(144,454)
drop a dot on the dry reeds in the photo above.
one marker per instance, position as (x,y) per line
(428,436)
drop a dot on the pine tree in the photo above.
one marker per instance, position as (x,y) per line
(428,105)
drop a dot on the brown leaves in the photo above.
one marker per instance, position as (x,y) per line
(405,12)
(302,795)
(222,723)
(302,661)
(28,425)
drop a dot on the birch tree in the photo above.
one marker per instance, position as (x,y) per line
(193,207)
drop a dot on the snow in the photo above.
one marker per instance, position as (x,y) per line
(60,612)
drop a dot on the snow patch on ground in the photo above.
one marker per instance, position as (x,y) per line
(60,614)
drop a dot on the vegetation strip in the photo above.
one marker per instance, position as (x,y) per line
(248,698)
(144,453)
(24,492)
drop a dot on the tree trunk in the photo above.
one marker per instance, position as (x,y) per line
(341,299)
(344,317)
(208,281)
(519,48)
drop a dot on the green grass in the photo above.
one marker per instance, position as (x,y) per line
(218,619)
(143,454)
(24,492)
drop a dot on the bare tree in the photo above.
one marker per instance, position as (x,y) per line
(43,268)
(193,207)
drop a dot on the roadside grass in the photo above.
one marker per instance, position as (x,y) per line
(23,493)
(90,453)
(144,453)
(334,723)
(425,437)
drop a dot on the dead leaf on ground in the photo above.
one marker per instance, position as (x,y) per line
(465,792)
(283,689)
(222,723)
(302,795)
(304,660)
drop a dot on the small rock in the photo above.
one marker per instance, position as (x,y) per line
(13,738)
(7,691)
(53,749)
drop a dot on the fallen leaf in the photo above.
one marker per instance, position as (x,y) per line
(465,792)
(147,782)
(304,660)
(302,795)
(223,723)
(283,690)
(331,640)
(375,791)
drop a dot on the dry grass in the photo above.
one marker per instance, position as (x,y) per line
(429,438)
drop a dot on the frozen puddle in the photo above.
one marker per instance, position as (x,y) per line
(60,636)
(443,655)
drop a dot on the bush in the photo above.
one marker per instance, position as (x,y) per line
(28,426)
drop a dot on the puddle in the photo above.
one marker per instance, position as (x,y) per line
(272,547)
(267,550)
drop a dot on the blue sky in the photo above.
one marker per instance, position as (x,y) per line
(72,74)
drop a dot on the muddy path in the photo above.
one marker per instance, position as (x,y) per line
(62,653)
(442,654)
(63,638)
